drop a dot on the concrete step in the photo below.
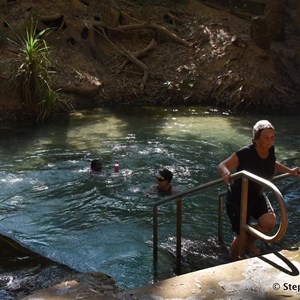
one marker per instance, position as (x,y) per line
(271,276)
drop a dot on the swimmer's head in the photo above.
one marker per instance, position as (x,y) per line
(165,174)
(96,165)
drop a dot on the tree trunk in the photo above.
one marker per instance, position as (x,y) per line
(275,13)
(297,18)
(259,32)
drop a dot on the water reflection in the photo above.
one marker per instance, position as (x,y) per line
(54,205)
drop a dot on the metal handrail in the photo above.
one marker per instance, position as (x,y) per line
(284,219)
(178,198)
(189,191)
(245,175)
(221,203)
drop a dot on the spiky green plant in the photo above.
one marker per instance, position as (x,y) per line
(31,73)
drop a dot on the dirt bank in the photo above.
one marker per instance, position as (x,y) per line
(142,52)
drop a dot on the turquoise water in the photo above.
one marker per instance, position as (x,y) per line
(54,205)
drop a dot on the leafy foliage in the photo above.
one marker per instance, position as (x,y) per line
(31,74)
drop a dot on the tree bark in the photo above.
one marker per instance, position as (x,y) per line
(297,18)
(259,32)
(275,13)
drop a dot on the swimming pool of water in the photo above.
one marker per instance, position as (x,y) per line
(53,204)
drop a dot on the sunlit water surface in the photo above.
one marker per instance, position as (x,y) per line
(54,205)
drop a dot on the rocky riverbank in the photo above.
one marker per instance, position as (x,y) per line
(23,272)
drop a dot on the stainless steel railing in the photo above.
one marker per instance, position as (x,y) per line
(246,176)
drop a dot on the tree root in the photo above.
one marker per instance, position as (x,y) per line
(86,92)
(140,53)
(145,25)
(139,63)
(133,57)
(115,22)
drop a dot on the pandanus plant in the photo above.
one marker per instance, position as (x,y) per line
(31,74)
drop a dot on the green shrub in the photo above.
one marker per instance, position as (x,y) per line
(31,74)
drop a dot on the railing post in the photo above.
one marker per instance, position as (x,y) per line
(155,235)
(178,234)
(220,215)
(243,218)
